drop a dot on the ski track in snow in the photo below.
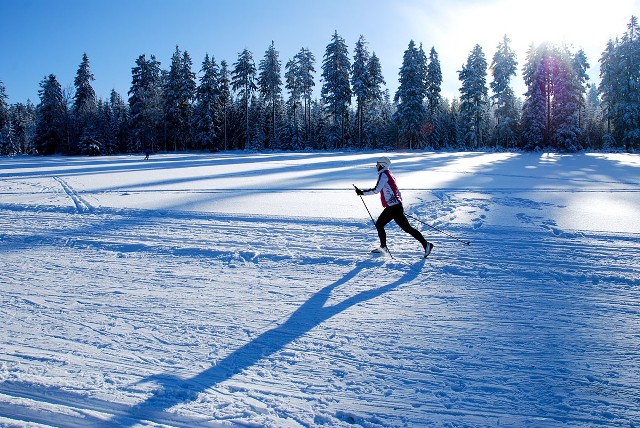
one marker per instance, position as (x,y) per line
(160,318)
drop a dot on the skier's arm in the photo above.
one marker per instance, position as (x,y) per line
(382,181)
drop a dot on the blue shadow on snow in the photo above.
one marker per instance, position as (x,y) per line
(173,390)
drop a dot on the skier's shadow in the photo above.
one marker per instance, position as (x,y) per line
(173,390)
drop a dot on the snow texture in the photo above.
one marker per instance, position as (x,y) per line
(237,289)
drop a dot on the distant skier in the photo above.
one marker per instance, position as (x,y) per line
(147,152)
(393,209)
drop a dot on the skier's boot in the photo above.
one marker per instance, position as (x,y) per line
(380,251)
(427,249)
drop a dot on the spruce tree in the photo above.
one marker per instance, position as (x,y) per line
(535,107)
(580,66)
(5,123)
(629,111)
(473,98)
(361,84)
(433,83)
(113,119)
(243,82)
(593,123)
(306,70)
(51,112)
(4,106)
(411,113)
(556,80)
(146,105)
(294,86)
(23,120)
(435,110)
(179,93)
(225,101)
(84,112)
(379,110)
(567,94)
(336,90)
(270,85)
(207,102)
(172,99)
(504,66)
(608,74)
(187,96)
(620,87)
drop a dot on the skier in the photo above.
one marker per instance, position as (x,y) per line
(393,210)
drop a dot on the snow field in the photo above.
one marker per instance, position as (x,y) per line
(237,290)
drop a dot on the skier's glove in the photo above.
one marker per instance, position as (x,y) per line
(359,192)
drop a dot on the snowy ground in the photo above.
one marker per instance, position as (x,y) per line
(237,290)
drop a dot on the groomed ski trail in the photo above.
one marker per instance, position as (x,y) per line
(473,333)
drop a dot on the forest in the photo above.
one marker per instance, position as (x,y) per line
(249,106)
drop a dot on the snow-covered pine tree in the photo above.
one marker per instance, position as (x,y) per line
(146,105)
(620,87)
(171,100)
(504,67)
(592,120)
(300,82)
(243,79)
(410,113)
(377,121)
(179,93)
(111,124)
(258,118)
(473,98)
(361,85)
(556,80)
(435,111)
(23,123)
(207,102)
(565,106)
(225,101)
(101,127)
(5,122)
(580,67)
(187,96)
(306,72)
(608,72)
(630,103)
(534,109)
(50,133)
(270,87)
(336,91)
(119,120)
(84,134)
(318,121)
(293,85)
(433,82)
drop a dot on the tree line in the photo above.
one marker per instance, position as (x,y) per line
(249,106)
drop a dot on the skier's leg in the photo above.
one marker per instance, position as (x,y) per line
(403,222)
(385,217)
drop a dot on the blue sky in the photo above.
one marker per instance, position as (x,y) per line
(41,37)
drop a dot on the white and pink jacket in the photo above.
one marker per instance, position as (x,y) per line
(387,187)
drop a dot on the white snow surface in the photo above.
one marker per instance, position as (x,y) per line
(237,290)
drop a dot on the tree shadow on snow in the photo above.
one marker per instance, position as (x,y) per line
(173,390)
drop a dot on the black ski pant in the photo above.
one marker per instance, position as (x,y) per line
(396,212)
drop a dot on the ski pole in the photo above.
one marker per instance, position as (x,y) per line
(371,217)
(441,231)
(366,207)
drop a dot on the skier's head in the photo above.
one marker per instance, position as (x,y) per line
(383,162)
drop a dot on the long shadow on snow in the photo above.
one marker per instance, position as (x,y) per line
(173,390)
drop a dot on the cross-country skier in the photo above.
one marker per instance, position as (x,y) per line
(393,210)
